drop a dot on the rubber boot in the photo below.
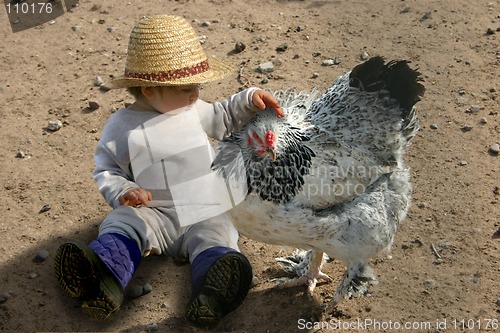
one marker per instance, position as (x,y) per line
(220,278)
(96,275)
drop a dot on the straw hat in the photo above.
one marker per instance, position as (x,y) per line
(165,50)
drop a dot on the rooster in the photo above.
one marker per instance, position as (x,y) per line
(329,177)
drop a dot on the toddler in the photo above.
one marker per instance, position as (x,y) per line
(153,167)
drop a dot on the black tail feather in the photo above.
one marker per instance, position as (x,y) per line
(402,82)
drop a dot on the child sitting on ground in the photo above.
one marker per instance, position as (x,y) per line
(153,166)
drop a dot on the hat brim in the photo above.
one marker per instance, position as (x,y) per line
(218,70)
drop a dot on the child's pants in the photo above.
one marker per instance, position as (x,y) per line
(157,231)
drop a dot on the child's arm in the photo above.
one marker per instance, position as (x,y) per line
(220,119)
(113,180)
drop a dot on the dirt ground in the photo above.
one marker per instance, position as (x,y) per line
(443,275)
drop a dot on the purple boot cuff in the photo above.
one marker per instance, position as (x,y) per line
(120,254)
(203,262)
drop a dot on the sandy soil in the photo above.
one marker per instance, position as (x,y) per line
(48,74)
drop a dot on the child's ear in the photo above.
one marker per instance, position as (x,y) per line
(148,92)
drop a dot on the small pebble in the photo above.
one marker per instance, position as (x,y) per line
(315,75)
(44,209)
(94,105)
(239,47)
(466,128)
(418,242)
(266,67)
(152,327)
(329,62)
(32,275)
(496,235)
(495,149)
(490,31)
(483,121)
(205,24)
(498,302)
(444,245)
(426,16)
(277,62)
(434,126)
(474,109)
(135,291)
(3,297)
(41,256)
(364,55)
(54,125)
(430,282)
(255,281)
(147,288)
(20,154)
(264,81)
(282,48)
(405,9)
(98,81)
(422,205)
(462,163)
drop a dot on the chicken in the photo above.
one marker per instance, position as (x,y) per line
(329,177)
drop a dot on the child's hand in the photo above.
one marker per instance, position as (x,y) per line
(135,197)
(263,99)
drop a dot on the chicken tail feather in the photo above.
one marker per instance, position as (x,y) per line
(396,77)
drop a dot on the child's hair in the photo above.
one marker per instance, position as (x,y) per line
(135,91)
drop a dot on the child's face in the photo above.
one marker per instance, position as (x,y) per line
(166,99)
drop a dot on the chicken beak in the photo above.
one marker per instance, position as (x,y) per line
(271,152)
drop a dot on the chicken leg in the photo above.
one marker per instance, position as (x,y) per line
(309,275)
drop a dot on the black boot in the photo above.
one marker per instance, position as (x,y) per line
(221,278)
(96,275)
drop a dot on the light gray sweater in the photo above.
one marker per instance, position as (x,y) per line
(114,172)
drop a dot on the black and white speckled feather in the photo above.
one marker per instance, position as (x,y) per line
(339,184)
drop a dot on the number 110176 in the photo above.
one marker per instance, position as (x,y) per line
(475,324)
(29,8)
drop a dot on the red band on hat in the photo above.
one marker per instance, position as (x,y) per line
(171,75)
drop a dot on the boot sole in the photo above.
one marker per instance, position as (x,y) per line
(85,278)
(224,289)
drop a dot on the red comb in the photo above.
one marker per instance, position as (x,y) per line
(270,139)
